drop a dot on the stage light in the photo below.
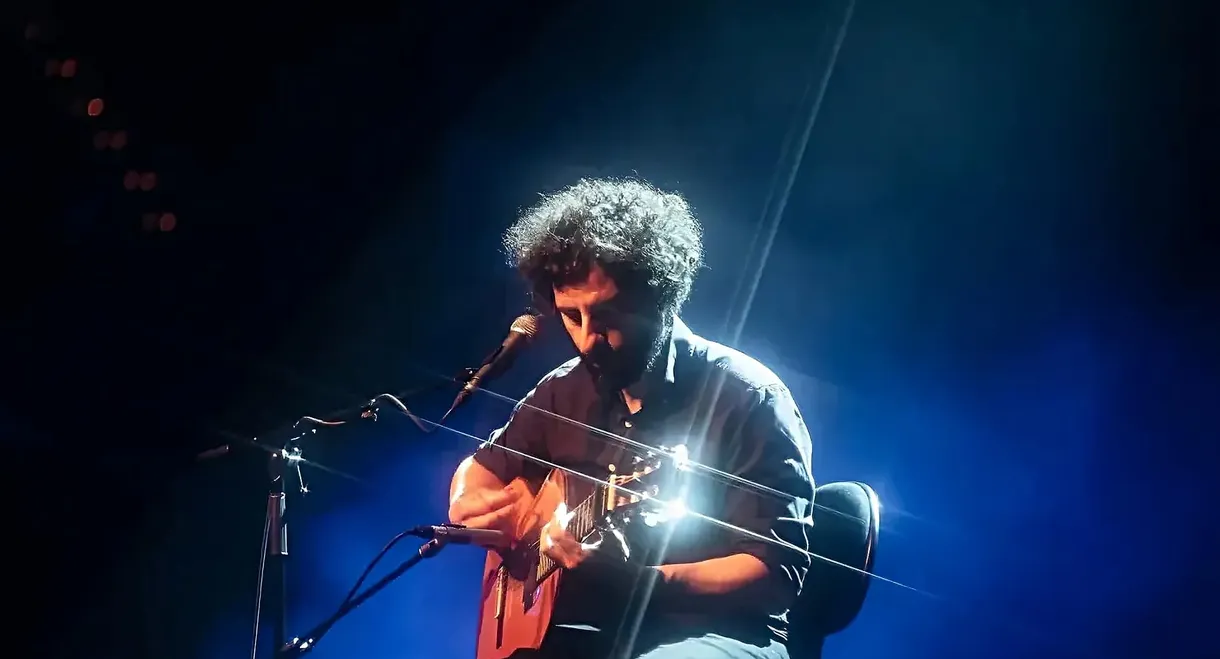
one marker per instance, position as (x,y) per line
(95,107)
(68,68)
(118,140)
(167,222)
(145,181)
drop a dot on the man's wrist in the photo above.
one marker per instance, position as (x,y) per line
(666,583)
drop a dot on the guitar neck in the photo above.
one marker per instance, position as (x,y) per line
(581,526)
(583,515)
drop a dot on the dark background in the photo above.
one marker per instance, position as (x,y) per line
(991,290)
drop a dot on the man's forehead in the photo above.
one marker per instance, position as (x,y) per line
(585,296)
(595,289)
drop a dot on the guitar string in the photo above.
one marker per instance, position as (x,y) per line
(707,518)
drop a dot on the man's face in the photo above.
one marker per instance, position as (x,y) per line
(618,337)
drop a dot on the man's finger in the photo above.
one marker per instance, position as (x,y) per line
(492,519)
(572,553)
(562,555)
(493,499)
(481,502)
(557,540)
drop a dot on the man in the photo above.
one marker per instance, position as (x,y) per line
(615,260)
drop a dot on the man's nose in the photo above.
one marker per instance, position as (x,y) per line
(588,339)
(587,342)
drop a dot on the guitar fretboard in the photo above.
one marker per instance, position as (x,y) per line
(580,526)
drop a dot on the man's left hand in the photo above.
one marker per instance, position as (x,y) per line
(559,544)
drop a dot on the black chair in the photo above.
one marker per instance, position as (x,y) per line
(846,517)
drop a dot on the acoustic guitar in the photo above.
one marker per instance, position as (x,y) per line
(520,584)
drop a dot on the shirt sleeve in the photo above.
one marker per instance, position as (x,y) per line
(525,432)
(773,450)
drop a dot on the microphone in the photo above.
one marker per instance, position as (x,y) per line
(523,329)
(460,535)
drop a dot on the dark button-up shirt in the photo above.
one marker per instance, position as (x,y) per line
(732,414)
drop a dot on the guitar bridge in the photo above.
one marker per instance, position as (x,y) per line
(501,598)
(501,590)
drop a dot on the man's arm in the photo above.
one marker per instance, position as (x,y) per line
(772,450)
(491,468)
(719,576)
(470,475)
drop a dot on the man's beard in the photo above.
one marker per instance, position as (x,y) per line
(619,369)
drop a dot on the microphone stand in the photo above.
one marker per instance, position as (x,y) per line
(275,527)
(275,543)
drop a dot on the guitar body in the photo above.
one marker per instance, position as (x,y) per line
(520,584)
(511,619)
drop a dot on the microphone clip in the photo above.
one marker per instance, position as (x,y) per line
(464,376)
(462,535)
(369,410)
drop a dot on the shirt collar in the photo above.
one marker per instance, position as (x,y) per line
(660,380)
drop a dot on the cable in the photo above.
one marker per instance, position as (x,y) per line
(368,570)
(258,596)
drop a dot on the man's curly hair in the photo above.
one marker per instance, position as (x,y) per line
(638,234)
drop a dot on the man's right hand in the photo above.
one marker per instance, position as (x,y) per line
(483,508)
